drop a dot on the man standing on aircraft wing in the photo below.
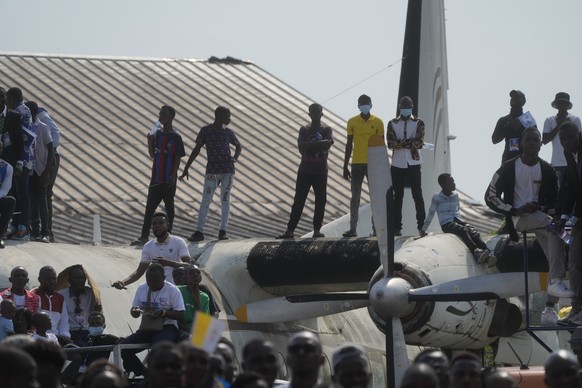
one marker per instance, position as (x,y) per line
(405,137)
(552,126)
(524,189)
(165,249)
(510,127)
(359,129)
(313,142)
(570,202)
(217,138)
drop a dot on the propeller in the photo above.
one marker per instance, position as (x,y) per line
(390,297)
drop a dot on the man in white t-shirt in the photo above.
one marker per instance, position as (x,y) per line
(165,249)
(552,125)
(524,189)
(157,299)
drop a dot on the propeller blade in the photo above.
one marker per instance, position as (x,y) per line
(395,341)
(379,181)
(486,287)
(290,308)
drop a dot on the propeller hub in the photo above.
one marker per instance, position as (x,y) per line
(389,297)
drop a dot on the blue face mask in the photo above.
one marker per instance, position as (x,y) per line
(96,330)
(406,112)
(365,109)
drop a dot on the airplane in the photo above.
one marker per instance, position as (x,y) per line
(346,290)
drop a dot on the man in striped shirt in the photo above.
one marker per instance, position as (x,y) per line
(168,150)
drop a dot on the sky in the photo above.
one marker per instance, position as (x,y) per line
(335,50)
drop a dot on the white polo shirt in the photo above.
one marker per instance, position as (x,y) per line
(173,248)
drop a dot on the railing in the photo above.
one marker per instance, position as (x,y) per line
(116,349)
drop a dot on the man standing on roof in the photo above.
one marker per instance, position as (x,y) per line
(39,180)
(44,117)
(217,138)
(406,138)
(313,142)
(551,127)
(7,202)
(360,128)
(168,150)
(510,127)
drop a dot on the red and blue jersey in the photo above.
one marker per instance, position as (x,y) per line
(168,146)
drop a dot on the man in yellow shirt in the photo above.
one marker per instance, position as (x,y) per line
(360,128)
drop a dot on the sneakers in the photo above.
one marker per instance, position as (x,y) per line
(549,317)
(196,236)
(136,243)
(318,234)
(559,289)
(481,255)
(22,234)
(287,234)
(576,319)
(221,235)
(568,318)
(398,232)
(350,233)
(421,233)
(11,230)
(45,239)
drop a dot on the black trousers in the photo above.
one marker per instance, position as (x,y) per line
(466,232)
(157,194)
(54,172)
(302,186)
(399,175)
(7,205)
(39,213)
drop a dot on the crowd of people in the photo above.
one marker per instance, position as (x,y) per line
(29,141)
(32,363)
(65,310)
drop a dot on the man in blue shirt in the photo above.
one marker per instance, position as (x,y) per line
(446,204)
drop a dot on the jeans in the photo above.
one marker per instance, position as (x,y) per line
(211,183)
(130,361)
(156,194)
(302,185)
(359,171)
(398,177)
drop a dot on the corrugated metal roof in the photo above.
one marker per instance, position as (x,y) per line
(105,107)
